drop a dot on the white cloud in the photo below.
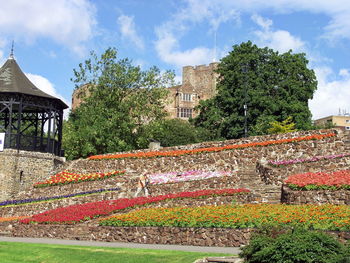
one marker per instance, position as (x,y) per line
(128,30)
(46,86)
(344,73)
(67,22)
(262,22)
(167,48)
(332,94)
(169,34)
(338,11)
(280,40)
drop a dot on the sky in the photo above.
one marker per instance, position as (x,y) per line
(51,38)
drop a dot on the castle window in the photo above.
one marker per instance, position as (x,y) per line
(347,121)
(184,113)
(186,96)
(347,128)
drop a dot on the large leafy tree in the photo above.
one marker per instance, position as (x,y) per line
(171,132)
(273,86)
(119,100)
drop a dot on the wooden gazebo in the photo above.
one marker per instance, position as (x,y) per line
(31,119)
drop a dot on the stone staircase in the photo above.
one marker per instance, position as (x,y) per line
(263,193)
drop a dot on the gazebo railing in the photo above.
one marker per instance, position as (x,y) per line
(33,143)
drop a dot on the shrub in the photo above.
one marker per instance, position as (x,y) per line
(294,246)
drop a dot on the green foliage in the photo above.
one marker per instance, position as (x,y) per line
(122,99)
(274,86)
(171,132)
(282,127)
(294,246)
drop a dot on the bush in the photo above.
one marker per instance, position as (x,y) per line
(294,246)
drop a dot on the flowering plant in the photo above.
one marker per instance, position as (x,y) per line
(57,197)
(66,177)
(324,217)
(12,218)
(317,181)
(308,160)
(175,177)
(82,212)
(208,149)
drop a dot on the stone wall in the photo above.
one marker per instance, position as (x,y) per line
(339,197)
(215,237)
(277,175)
(225,160)
(20,169)
(128,185)
(218,237)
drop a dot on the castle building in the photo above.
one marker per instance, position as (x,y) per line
(198,83)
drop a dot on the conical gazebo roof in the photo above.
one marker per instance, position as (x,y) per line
(13,80)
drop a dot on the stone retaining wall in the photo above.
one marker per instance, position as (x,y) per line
(215,237)
(340,197)
(128,185)
(232,160)
(218,237)
(277,175)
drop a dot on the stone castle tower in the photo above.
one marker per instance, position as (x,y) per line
(198,83)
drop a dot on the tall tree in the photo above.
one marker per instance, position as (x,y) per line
(120,98)
(273,86)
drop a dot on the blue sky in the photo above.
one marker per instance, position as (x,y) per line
(53,37)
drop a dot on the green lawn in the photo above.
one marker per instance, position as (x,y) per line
(42,253)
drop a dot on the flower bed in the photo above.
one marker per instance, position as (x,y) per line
(325,217)
(175,177)
(50,198)
(66,177)
(78,213)
(13,218)
(308,160)
(318,181)
(209,149)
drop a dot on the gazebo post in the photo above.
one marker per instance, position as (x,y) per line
(18,137)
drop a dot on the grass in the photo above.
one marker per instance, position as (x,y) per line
(13,252)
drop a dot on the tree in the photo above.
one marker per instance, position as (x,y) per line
(282,126)
(171,132)
(121,100)
(272,85)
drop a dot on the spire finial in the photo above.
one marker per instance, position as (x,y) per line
(11,55)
